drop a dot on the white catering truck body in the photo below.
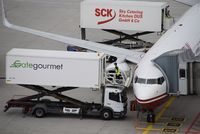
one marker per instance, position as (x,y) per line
(55,68)
(122,15)
(38,69)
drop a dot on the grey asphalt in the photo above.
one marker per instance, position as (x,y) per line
(63,17)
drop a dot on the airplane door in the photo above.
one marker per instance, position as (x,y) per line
(183,88)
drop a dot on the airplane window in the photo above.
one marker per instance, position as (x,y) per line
(140,80)
(136,78)
(156,81)
(182,73)
(161,80)
(152,81)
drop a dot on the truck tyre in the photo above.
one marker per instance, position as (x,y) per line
(106,114)
(39,112)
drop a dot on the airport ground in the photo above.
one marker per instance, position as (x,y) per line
(180,114)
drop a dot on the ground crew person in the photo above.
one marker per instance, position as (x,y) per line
(117,71)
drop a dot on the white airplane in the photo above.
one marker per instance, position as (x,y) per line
(150,83)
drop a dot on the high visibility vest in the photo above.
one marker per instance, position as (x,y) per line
(117,71)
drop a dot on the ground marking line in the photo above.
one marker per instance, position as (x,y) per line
(165,107)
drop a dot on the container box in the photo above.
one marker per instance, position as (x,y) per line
(123,15)
(55,68)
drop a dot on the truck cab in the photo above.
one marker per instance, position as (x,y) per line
(115,102)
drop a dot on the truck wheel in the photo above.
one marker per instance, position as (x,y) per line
(106,114)
(39,112)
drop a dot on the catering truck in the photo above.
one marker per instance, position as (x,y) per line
(62,71)
(125,15)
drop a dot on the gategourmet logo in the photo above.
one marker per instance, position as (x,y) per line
(108,14)
(35,66)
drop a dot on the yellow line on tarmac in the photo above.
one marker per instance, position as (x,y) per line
(153,129)
(166,105)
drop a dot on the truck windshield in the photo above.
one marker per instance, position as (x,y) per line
(123,96)
(114,96)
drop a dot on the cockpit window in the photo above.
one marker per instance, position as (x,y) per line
(161,80)
(140,80)
(150,81)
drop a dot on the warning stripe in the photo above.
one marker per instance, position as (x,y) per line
(193,123)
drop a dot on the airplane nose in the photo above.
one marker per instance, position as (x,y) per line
(146,92)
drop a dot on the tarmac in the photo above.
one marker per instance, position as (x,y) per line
(179,115)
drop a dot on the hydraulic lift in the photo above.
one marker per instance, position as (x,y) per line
(122,36)
(33,102)
(135,43)
(39,107)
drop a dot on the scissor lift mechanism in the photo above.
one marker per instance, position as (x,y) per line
(29,102)
(40,107)
(122,36)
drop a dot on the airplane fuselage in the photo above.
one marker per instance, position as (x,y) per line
(150,83)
